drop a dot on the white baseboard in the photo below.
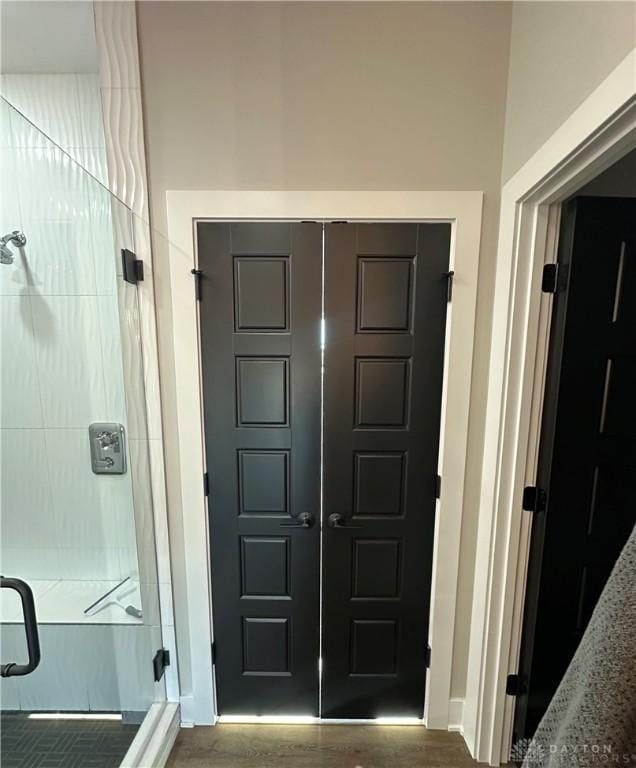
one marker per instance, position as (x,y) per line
(456,715)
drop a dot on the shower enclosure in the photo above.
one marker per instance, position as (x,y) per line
(76,516)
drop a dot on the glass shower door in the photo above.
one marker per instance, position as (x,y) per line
(76,515)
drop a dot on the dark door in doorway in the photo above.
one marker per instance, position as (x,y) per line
(260,347)
(588,443)
(386,291)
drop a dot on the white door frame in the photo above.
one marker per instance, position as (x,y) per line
(463,210)
(597,134)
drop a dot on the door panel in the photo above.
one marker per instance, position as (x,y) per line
(588,443)
(260,347)
(385,310)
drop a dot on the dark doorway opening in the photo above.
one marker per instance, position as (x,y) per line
(588,437)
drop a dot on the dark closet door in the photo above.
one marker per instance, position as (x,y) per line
(260,345)
(385,309)
(587,455)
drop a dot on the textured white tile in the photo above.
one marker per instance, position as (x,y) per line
(144,518)
(30,563)
(121,664)
(132,360)
(57,259)
(50,102)
(128,563)
(86,564)
(51,185)
(10,216)
(113,341)
(83,668)
(105,670)
(13,650)
(122,112)
(150,602)
(92,126)
(115,654)
(69,357)
(17,279)
(105,250)
(11,277)
(117,47)
(90,509)
(20,401)
(60,681)
(136,681)
(148,331)
(123,235)
(6,139)
(27,519)
(158,481)
(93,159)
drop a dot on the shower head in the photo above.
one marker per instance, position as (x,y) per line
(17,239)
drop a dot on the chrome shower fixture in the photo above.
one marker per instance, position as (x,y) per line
(17,239)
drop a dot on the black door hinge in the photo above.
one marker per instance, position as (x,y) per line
(206,484)
(438,486)
(550,278)
(428,656)
(198,275)
(214,651)
(133,268)
(534,499)
(450,276)
(515,686)
(160,662)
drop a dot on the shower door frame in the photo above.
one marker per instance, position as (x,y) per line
(464,211)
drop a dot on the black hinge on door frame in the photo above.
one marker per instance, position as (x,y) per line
(160,661)
(427,658)
(198,275)
(550,278)
(450,276)
(206,484)
(133,268)
(213,647)
(515,685)
(534,499)
(438,486)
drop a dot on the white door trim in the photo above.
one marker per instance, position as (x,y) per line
(597,134)
(463,210)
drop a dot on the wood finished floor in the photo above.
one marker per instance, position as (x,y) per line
(315,746)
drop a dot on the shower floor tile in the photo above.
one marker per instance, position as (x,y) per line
(26,743)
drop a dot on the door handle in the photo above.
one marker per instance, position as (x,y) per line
(30,627)
(304,520)
(335,520)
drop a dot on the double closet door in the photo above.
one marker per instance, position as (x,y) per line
(322,355)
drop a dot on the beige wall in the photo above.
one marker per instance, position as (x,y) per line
(560,52)
(387,96)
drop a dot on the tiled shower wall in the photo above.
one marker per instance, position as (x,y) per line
(67,109)
(60,353)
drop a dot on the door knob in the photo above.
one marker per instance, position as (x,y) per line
(304,520)
(336,520)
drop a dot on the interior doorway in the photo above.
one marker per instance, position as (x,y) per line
(322,353)
(583,507)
